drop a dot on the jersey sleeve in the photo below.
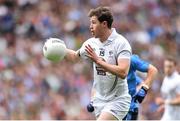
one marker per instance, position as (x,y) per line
(139,64)
(82,52)
(138,80)
(123,48)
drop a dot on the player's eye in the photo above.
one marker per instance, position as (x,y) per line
(168,66)
(93,22)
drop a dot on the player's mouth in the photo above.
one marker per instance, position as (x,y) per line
(92,32)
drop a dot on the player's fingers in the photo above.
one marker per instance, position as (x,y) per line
(88,55)
(89,49)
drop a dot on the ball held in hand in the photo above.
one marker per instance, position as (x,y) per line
(54,49)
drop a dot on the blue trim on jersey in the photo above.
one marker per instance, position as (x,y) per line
(137,64)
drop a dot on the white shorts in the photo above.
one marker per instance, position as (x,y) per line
(118,107)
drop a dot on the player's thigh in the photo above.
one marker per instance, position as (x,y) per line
(106,116)
(117,109)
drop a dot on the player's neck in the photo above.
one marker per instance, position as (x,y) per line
(106,35)
(171,74)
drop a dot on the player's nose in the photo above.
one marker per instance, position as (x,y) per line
(91,27)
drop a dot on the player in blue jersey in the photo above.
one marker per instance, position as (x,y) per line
(137,64)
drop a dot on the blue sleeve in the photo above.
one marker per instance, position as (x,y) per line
(138,80)
(139,64)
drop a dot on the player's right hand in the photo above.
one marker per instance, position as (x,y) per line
(90,107)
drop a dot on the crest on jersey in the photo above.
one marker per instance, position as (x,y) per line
(110,53)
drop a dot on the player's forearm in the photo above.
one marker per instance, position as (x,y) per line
(175,101)
(71,55)
(151,74)
(114,69)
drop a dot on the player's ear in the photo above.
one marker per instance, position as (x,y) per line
(104,23)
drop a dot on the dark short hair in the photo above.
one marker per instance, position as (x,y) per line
(171,59)
(102,14)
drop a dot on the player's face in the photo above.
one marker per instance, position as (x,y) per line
(95,27)
(169,67)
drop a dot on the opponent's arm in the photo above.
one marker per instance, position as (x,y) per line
(151,74)
(144,66)
(121,70)
(151,71)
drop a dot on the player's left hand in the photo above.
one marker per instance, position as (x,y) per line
(139,97)
(91,53)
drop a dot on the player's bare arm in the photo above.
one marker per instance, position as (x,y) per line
(151,74)
(175,101)
(72,55)
(120,70)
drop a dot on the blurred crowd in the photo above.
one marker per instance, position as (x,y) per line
(32,87)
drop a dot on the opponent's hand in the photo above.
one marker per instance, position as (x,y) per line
(139,97)
(90,107)
(91,53)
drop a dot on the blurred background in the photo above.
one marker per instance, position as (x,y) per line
(31,87)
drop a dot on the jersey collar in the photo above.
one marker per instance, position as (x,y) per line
(110,38)
(113,35)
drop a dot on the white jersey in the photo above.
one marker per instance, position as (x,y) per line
(107,85)
(170,88)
